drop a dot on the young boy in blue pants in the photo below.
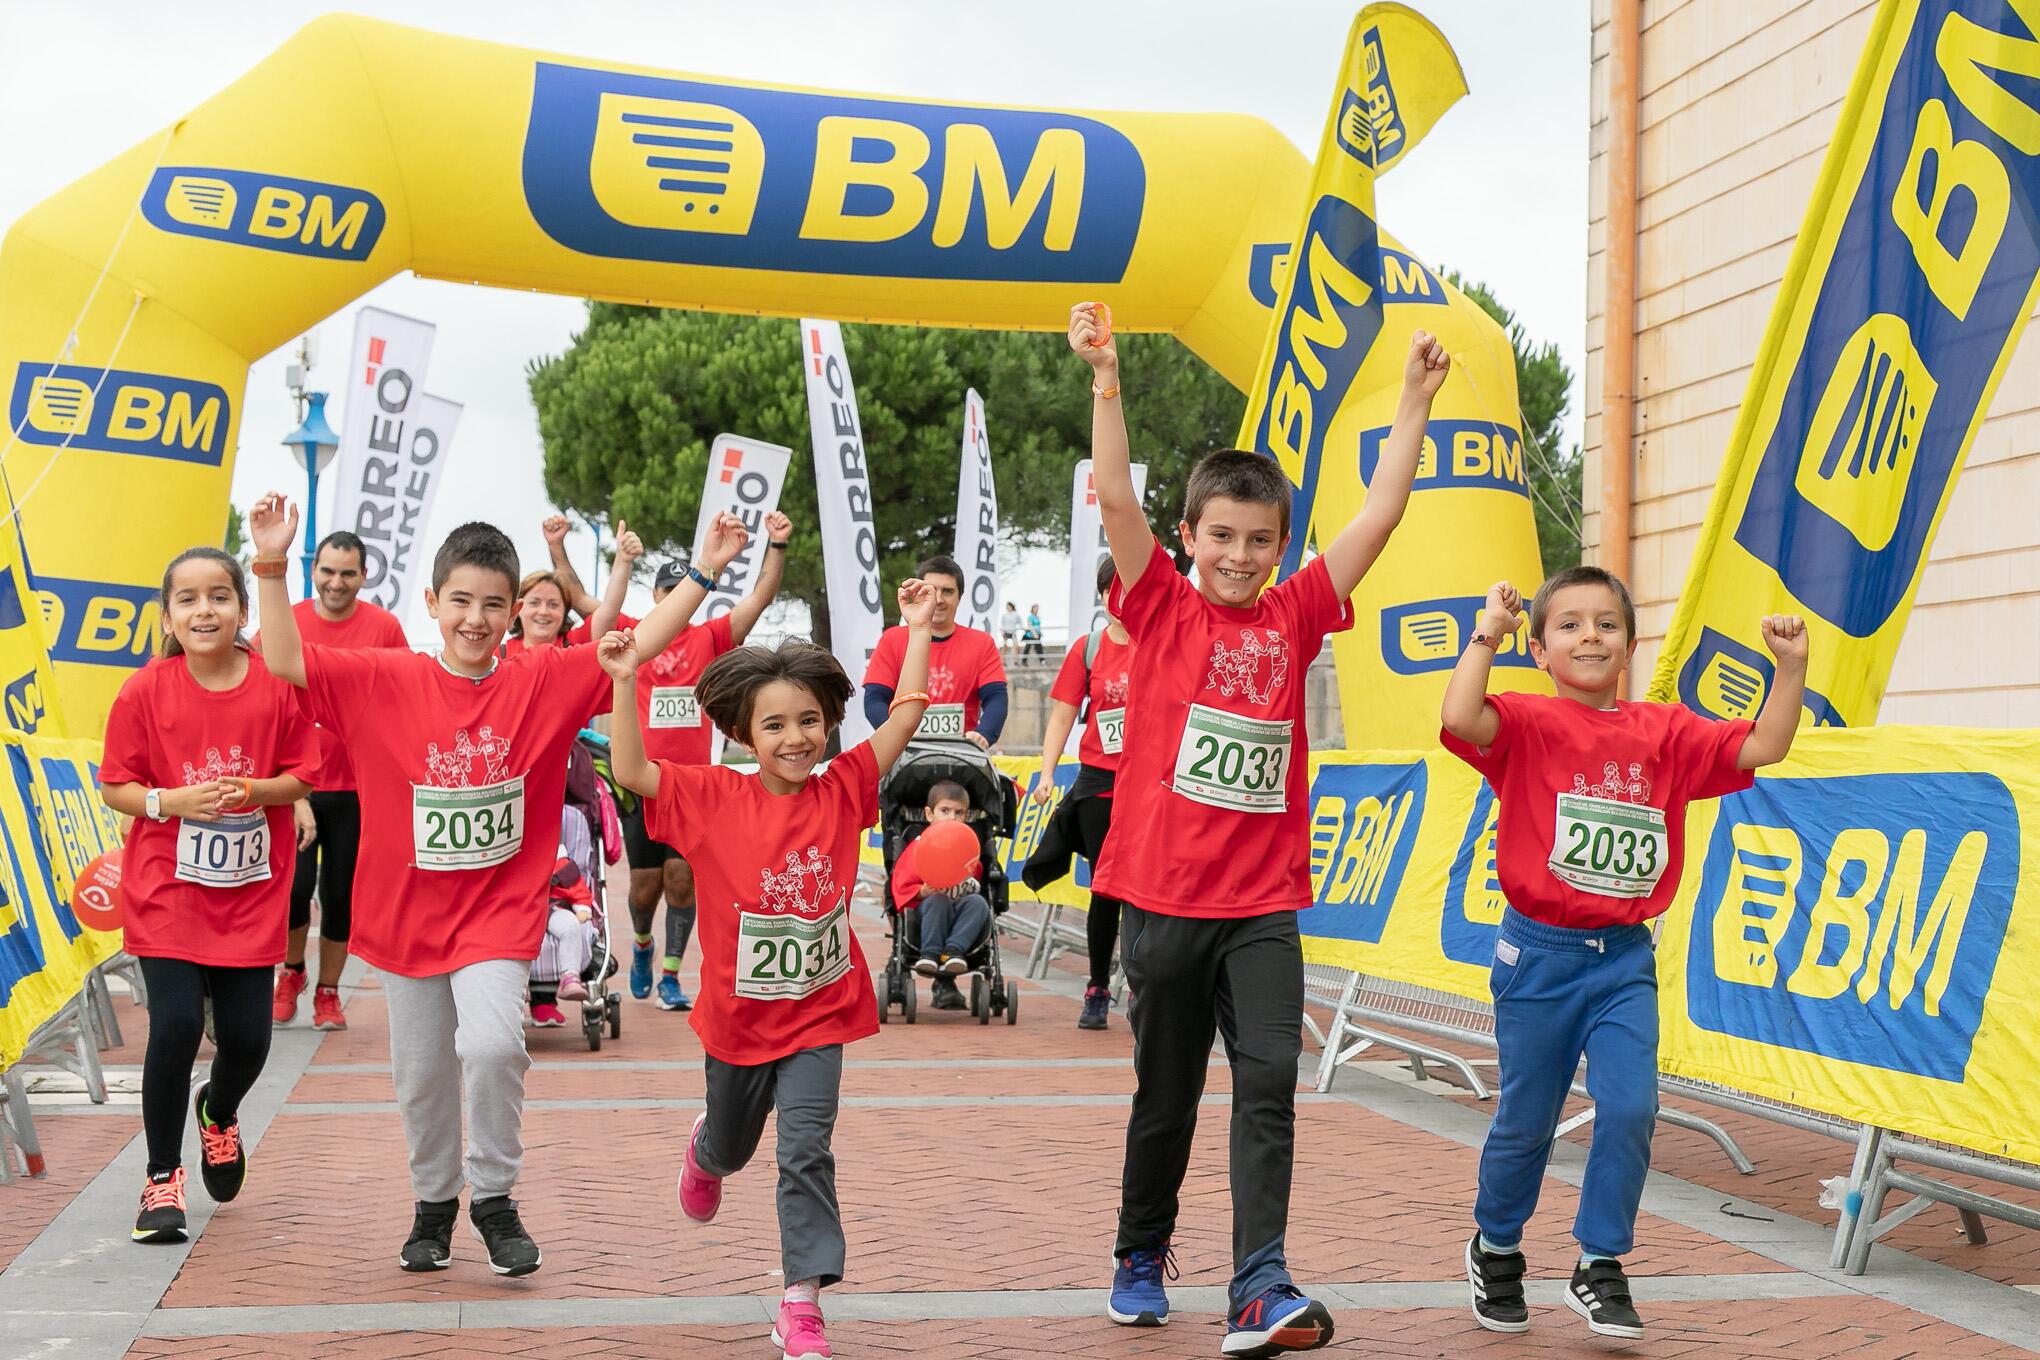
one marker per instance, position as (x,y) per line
(1588,847)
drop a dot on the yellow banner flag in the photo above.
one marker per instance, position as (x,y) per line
(1911,281)
(28,689)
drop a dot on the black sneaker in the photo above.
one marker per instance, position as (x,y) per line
(162,1216)
(1497,1280)
(1600,1293)
(945,996)
(223,1161)
(511,1250)
(430,1246)
(1097,1003)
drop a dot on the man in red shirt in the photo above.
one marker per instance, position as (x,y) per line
(966,678)
(334,616)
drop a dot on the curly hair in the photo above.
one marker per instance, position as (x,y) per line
(728,689)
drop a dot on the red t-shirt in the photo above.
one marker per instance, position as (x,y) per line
(369,625)
(958,667)
(1215,770)
(671,722)
(461,785)
(772,882)
(1591,827)
(214,893)
(1106,688)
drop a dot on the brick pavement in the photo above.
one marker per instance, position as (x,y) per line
(1005,1198)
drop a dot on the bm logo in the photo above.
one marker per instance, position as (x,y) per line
(1370,127)
(118,411)
(647,168)
(1857,917)
(1428,635)
(1363,825)
(1473,888)
(1466,454)
(1728,679)
(100,623)
(268,212)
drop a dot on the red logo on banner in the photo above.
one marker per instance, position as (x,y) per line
(375,358)
(815,345)
(1090,489)
(732,463)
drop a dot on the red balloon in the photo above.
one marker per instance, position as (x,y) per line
(946,853)
(97,898)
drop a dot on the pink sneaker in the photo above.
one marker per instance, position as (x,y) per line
(798,1333)
(701,1193)
(547,1017)
(573,989)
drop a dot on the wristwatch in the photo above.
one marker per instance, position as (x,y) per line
(152,804)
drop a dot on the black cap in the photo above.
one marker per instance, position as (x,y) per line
(670,575)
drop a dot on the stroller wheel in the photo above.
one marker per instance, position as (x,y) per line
(1012,1004)
(908,1001)
(980,998)
(882,1009)
(591,1025)
(612,1004)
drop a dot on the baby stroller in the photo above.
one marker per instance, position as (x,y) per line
(902,816)
(581,824)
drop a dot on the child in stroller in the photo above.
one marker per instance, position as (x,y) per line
(575,959)
(909,798)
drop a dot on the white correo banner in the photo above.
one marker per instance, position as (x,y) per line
(1088,548)
(843,491)
(428,440)
(371,484)
(977,522)
(745,477)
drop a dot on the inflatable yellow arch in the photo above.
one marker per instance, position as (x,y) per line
(137,297)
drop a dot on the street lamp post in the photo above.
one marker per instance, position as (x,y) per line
(314,443)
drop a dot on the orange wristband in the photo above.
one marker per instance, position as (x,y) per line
(267,567)
(247,787)
(919,696)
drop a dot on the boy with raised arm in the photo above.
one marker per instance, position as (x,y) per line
(1592,794)
(1214,773)
(460,760)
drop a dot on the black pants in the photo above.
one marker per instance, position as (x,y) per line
(177,993)
(1101,922)
(328,862)
(1242,979)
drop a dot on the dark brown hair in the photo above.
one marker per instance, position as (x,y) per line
(948,790)
(1107,569)
(728,689)
(1238,476)
(941,565)
(476,544)
(1540,606)
(171,646)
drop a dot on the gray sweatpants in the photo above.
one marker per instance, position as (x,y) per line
(804,1088)
(453,1034)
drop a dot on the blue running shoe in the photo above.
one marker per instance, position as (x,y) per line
(671,998)
(1138,1296)
(1277,1319)
(641,971)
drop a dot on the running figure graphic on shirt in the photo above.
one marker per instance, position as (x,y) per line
(1614,786)
(1115,692)
(805,888)
(940,678)
(233,765)
(456,769)
(1256,668)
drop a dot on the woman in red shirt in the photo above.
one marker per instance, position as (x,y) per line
(783,984)
(206,751)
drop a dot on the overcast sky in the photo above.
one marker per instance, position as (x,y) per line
(1498,191)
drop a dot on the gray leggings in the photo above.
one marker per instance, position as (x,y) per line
(804,1088)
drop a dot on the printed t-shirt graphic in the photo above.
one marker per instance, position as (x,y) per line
(370,625)
(212,892)
(958,667)
(780,969)
(461,786)
(1106,687)
(1215,765)
(1591,818)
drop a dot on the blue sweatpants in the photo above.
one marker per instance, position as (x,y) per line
(1559,994)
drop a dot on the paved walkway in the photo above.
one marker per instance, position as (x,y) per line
(978,1174)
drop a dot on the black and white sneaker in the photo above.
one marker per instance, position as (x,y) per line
(511,1250)
(1600,1293)
(430,1246)
(1497,1280)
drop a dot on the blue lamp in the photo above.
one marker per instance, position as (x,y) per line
(314,443)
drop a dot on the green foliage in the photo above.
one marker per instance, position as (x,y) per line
(235,541)
(1543,385)
(628,412)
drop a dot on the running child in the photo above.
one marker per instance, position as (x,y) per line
(206,751)
(1214,770)
(1095,678)
(1589,842)
(784,984)
(461,760)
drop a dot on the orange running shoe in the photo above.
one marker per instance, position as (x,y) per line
(326,1012)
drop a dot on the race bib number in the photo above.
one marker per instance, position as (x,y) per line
(941,720)
(467,828)
(1112,730)
(1229,761)
(1609,848)
(229,853)
(784,958)
(675,706)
